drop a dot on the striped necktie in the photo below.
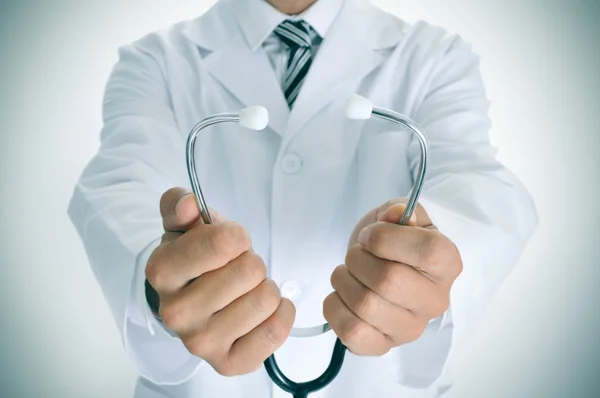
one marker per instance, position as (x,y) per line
(296,35)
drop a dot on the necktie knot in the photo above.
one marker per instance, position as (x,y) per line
(296,34)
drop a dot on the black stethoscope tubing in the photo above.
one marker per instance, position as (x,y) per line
(302,390)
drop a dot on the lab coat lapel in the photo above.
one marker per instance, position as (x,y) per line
(346,56)
(245,73)
(249,76)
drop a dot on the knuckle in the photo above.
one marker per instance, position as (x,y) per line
(413,332)
(197,346)
(437,245)
(251,267)
(389,279)
(267,299)
(218,240)
(336,277)
(432,248)
(377,238)
(240,236)
(154,269)
(152,274)
(440,306)
(238,364)
(353,332)
(353,255)
(428,245)
(253,367)
(276,332)
(329,307)
(225,368)
(173,315)
(229,238)
(395,280)
(203,345)
(457,264)
(368,303)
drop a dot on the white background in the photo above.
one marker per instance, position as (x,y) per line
(540,60)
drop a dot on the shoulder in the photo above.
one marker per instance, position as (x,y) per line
(212,30)
(422,39)
(163,42)
(425,49)
(183,39)
(417,41)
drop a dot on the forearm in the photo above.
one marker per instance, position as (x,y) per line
(472,198)
(115,207)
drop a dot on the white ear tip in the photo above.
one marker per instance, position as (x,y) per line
(254,117)
(358,107)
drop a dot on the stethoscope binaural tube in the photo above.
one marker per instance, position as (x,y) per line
(256,118)
(253,118)
(360,108)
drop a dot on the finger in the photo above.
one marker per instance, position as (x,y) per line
(247,312)
(360,337)
(168,236)
(378,312)
(176,210)
(396,282)
(424,249)
(180,212)
(250,351)
(200,250)
(188,310)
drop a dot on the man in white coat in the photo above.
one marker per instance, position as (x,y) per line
(308,208)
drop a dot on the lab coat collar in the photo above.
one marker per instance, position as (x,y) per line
(214,29)
(225,49)
(351,49)
(257,20)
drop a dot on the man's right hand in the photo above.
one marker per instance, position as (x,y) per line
(214,291)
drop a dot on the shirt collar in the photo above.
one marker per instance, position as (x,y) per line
(258,19)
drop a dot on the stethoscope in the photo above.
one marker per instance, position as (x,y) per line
(257,118)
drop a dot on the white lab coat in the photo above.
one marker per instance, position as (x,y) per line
(299,186)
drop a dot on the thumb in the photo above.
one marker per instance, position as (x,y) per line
(394,214)
(180,212)
(395,211)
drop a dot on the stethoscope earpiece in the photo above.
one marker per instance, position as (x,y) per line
(254,118)
(359,108)
(257,118)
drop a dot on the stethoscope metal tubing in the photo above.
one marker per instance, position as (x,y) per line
(413,198)
(301,390)
(395,117)
(191,159)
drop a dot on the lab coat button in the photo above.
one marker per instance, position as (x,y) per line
(291,163)
(290,290)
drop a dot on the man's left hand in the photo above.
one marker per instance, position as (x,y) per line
(395,280)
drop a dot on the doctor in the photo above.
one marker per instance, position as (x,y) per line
(307,208)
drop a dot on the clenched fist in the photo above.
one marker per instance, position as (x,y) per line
(213,289)
(394,281)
